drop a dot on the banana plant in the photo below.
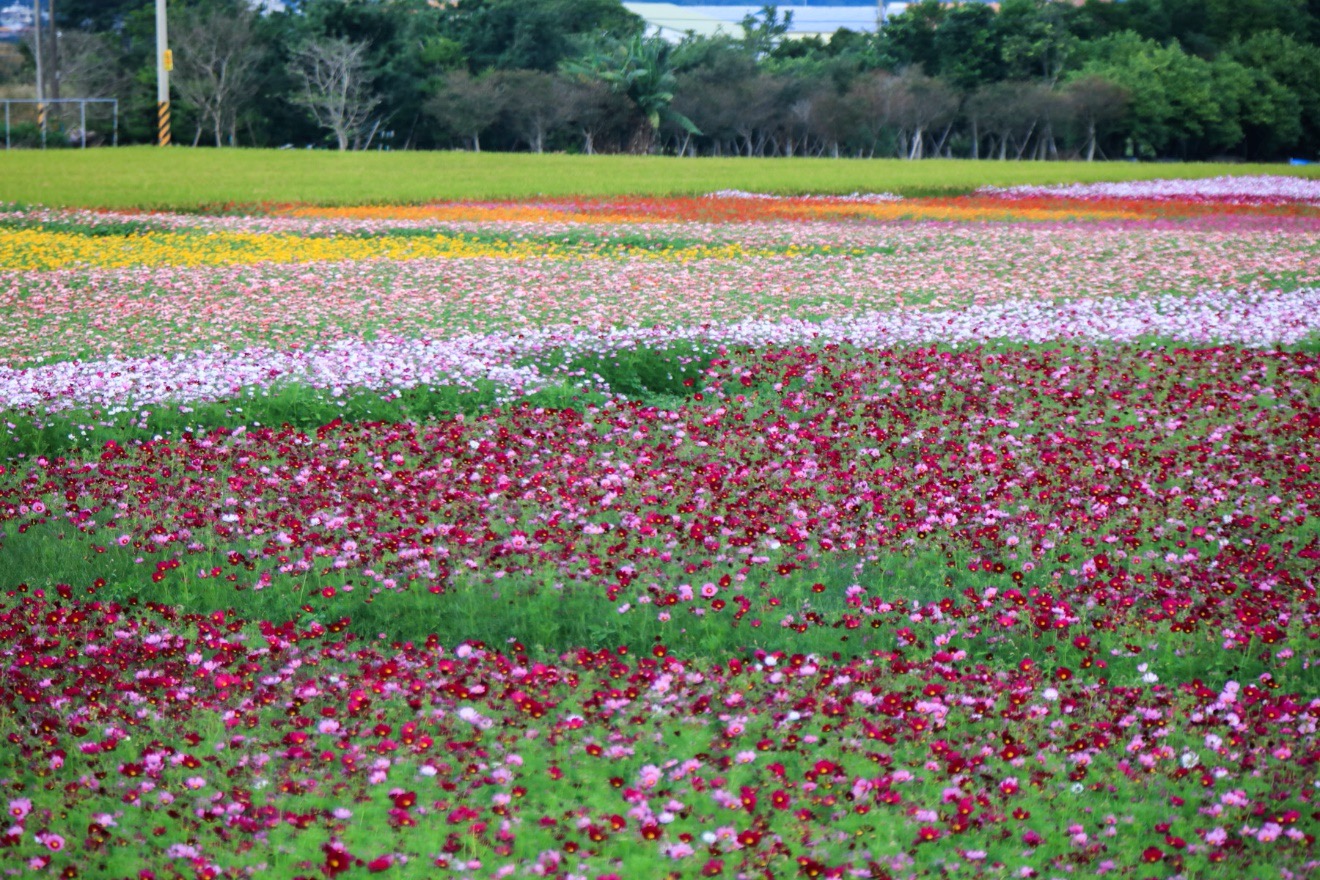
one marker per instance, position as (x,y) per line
(639,68)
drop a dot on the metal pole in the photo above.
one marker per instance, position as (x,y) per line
(82,122)
(115,143)
(163,65)
(53,62)
(884,13)
(41,73)
(6,125)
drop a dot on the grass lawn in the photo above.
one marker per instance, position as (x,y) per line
(149,177)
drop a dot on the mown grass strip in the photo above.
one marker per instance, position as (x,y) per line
(148,177)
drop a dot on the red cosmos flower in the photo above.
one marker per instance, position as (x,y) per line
(713,868)
(383,863)
(401,818)
(810,867)
(779,799)
(337,860)
(927,833)
(1152,854)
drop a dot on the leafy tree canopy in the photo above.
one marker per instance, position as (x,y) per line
(533,34)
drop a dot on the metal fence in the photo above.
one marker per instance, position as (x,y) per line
(78,137)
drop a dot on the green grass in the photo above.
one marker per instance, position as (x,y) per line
(183,178)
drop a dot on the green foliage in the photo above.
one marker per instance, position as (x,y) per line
(765,31)
(1256,108)
(969,47)
(1173,102)
(1036,39)
(533,34)
(909,39)
(640,68)
(1187,97)
(1206,26)
(295,405)
(1292,64)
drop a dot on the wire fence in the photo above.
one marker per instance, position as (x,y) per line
(38,120)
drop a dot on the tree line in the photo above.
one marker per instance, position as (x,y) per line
(1026,79)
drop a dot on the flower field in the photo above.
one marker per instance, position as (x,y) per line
(736,536)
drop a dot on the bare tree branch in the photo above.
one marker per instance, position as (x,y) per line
(332,77)
(218,64)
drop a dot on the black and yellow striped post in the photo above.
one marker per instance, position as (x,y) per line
(163,123)
(164,64)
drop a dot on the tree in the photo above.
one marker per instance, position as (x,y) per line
(928,104)
(1295,66)
(764,31)
(1036,39)
(406,50)
(1206,26)
(1172,102)
(466,105)
(639,68)
(533,104)
(1096,102)
(1258,113)
(711,77)
(217,63)
(88,65)
(968,47)
(1009,114)
(833,118)
(805,99)
(596,111)
(908,40)
(533,34)
(756,111)
(879,99)
(332,86)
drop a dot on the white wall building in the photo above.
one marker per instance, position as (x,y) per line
(673,22)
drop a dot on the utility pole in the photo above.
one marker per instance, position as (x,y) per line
(54,63)
(41,71)
(884,13)
(164,64)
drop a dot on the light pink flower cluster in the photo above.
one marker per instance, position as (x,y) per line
(1243,189)
(119,385)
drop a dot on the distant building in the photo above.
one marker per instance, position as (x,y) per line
(15,21)
(673,22)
